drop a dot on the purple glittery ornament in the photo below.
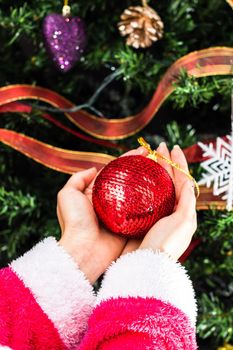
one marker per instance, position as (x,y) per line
(65,39)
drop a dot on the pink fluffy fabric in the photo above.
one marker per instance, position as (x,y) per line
(23,324)
(138,323)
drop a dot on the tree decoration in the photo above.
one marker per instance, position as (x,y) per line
(207,62)
(142,25)
(219,166)
(64,37)
(131,193)
(211,61)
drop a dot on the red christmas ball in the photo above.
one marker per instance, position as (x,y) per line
(131,193)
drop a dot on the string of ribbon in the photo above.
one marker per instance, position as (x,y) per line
(212,61)
(154,155)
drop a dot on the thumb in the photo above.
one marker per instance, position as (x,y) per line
(79,181)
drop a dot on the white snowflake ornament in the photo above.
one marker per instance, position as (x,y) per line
(219,168)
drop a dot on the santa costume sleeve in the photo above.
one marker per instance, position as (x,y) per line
(146,302)
(45,300)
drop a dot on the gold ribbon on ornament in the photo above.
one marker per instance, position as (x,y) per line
(154,155)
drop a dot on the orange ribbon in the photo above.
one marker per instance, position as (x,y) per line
(212,61)
(59,159)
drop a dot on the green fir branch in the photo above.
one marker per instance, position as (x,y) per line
(181,135)
(17,23)
(191,91)
(215,320)
(15,204)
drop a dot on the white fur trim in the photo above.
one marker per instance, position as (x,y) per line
(5,348)
(59,287)
(146,273)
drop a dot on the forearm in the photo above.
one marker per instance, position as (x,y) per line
(87,257)
(93,253)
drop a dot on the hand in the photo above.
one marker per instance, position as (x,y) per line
(172,234)
(92,246)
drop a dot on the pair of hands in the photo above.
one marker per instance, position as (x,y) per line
(94,248)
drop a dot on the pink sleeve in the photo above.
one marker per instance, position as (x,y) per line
(45,300)
(146,302)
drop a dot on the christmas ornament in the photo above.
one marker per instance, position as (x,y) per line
(65,38)
(142,25)
(133,192)
(219,166)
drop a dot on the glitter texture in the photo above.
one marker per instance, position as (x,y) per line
(131,193)
(65,39)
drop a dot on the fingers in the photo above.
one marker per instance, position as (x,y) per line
(60,220)
(186,206)
(163,150)
(140,151)
(178,157)
(82,179)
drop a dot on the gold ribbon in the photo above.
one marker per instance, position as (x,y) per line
(154,155)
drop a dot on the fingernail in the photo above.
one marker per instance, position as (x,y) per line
(92,169)
(141,150)
(162,145)
(176,147)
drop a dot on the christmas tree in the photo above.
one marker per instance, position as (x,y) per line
(116,80)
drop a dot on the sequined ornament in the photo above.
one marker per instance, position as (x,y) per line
(131,193)
(142,25)
(65,38)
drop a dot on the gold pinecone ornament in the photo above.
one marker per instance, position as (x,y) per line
(142,25)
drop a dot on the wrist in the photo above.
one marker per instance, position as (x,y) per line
(159,248)
(85,256)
